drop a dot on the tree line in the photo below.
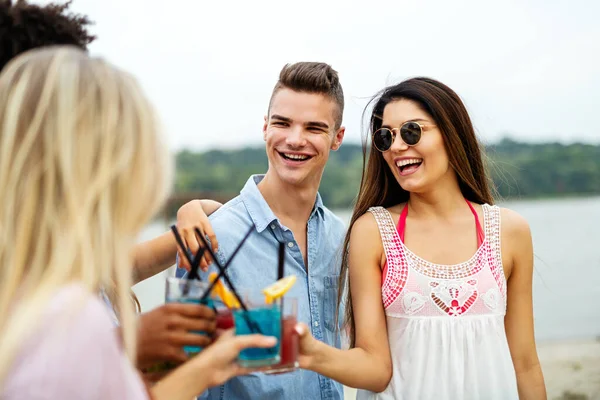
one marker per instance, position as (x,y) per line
(517,169)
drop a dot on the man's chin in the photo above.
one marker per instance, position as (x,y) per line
(294,178)
(298,177)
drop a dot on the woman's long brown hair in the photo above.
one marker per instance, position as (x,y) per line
(378,186)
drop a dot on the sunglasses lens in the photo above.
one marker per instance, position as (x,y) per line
(410,133)
(383,139)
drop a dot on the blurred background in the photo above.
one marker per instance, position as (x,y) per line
(527,71)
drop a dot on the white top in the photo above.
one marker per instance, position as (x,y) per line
(73,353)
(446,322)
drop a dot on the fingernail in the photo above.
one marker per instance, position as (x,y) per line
(271,340)
(299,329)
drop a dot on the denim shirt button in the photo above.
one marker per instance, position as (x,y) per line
(290,244)
(316,323)
(272,226)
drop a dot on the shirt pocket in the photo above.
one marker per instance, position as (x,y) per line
(330,307)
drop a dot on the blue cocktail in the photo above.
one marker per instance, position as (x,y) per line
(179,290)
(260,318)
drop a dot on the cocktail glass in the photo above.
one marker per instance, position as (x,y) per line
(261,315)
(290,341)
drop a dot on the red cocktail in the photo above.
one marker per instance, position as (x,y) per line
(290,342)
(224,319)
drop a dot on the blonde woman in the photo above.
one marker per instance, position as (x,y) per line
(79,153)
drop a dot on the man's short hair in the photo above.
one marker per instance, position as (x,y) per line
(312,77)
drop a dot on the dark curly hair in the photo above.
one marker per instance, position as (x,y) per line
(25,26)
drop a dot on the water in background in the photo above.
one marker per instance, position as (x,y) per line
(566,239)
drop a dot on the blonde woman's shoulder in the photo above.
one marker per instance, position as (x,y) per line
(73,293)
(74,308)
(73,350)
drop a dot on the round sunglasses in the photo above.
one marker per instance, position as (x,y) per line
(410,132)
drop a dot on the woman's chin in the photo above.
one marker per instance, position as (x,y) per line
(411,185)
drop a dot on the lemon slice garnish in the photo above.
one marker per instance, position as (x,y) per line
(279,288)
(230,300)
(220,290)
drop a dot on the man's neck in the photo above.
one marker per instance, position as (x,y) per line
(288,202)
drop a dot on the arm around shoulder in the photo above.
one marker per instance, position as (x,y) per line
(154,256)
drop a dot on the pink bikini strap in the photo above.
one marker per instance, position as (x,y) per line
(402,223)
(480,232)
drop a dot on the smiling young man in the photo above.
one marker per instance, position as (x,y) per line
(302,126)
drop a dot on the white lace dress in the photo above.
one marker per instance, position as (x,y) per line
(446,322)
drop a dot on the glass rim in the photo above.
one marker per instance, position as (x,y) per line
(175,285)
(195,282)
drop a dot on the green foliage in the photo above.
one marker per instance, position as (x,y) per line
(519,170)
(541,170)
(218,171)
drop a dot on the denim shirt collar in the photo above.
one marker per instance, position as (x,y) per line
(259,209)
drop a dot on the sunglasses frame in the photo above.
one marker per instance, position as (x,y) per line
(395,131)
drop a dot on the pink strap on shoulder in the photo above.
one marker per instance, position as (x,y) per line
(480,232)
(402,223)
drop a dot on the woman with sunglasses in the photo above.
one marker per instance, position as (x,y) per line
(440,280)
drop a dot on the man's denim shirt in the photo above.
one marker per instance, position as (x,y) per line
(256,266)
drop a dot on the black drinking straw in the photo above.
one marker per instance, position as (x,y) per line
(195,262)
(222,269)
(251,324)
(194,271)
(280,265)
(280,268)
(186,251)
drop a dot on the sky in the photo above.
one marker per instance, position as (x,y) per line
(527,69)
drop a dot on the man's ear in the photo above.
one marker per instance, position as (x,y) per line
(338,139)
